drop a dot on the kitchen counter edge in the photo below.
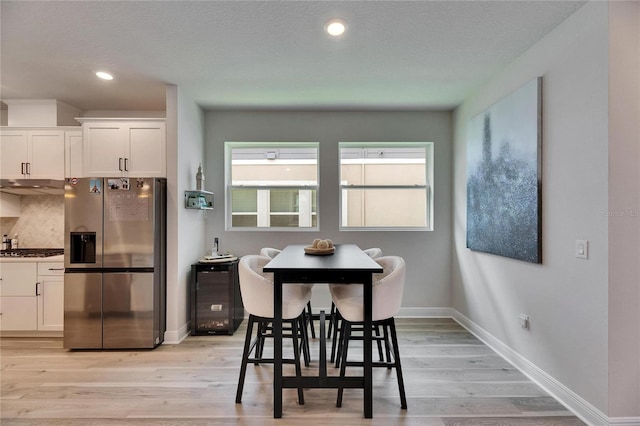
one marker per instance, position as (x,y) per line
(8,259)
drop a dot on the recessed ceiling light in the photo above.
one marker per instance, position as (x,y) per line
(104,75)
(335,27)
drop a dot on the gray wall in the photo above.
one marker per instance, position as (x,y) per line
(428,254)
(567,299)
(624,209)
(185,228)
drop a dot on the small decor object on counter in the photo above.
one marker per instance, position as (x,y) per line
(214,248)
(199,178)
(14,242)
(6,242)
(320,247)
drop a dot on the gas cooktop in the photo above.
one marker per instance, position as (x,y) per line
(32,252)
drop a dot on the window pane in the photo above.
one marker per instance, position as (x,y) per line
(394,181)
(272,184)
(244,221)
(284,221)
(383,165)
(383,174)
(384,207)
(274,166)
(244,200)
(284,200)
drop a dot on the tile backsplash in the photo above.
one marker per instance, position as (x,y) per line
(41,222)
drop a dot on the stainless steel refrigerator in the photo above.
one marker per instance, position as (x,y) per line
(115,263)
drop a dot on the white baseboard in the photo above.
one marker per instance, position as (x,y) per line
(575,403)
(624,421)
(173,337)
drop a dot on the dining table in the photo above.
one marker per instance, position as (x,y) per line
(347,264)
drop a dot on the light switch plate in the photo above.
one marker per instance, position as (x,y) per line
(582,249)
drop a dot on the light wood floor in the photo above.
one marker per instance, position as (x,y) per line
(451,378)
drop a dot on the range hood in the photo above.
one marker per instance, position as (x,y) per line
(32,186)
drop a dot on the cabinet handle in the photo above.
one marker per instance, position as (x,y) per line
(120,163)
(126,167)
(37,288)
(56,269)
(22,168)
(28,168)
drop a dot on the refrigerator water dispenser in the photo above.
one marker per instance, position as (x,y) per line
(83,247)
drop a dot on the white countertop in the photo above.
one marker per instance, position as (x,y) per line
(8,259)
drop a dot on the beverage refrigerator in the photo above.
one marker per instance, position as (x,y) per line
(115,263)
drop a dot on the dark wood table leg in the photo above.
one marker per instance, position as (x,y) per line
(322,369)
(277,346)
(368,366)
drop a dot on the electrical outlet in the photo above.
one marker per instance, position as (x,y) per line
(524,321)
(582,249)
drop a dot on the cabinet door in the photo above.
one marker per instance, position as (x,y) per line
(13,153)
(73,161)
(51,303)
(103,148)
(18,313)
(46,154)
(147,149)
(18,279)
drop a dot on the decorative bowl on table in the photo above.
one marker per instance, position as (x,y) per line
(320,247)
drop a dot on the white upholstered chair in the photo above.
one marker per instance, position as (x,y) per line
(388,288)
(256,288)
(271,252)
(334,324)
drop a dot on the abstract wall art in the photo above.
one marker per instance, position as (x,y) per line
(504,152)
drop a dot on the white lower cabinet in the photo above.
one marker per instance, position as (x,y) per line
(18,313)
(50,295)
(32,296)
(18,300)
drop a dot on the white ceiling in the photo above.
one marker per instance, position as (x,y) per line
(264,54)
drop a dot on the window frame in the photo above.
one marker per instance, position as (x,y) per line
(428,187)
(265,196)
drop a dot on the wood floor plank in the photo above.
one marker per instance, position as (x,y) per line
(451,379)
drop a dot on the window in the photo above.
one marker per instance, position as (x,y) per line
(386,186)
(272,185)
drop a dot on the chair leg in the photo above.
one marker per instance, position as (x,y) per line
(335,341)
(398,367)
(387,346)
(376,329)
(311,326)
(245,357)
(332,319)
(296,356)
(262,330)
(344,337)
(304,341)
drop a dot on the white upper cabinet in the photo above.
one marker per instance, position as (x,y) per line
(32,154)
(120,147)
(73,161)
